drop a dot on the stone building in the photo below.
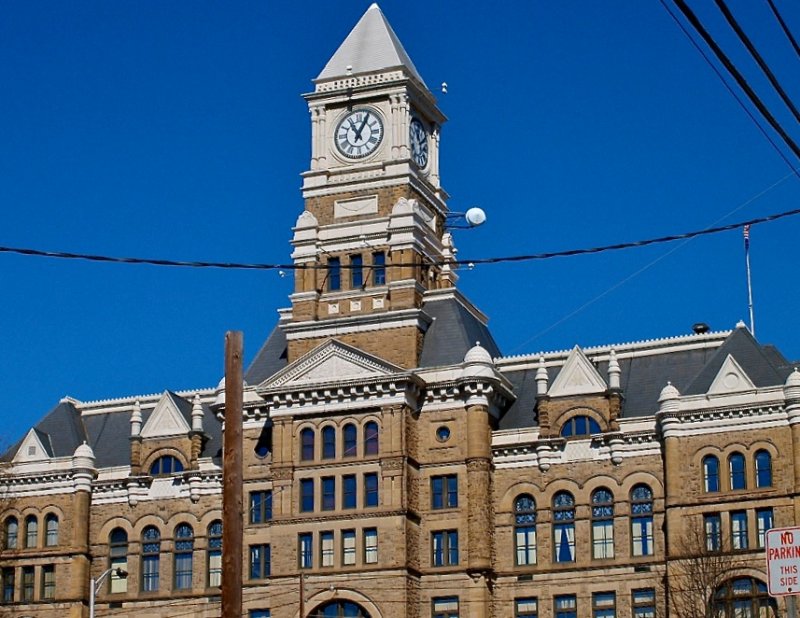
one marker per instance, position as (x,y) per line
(396,464)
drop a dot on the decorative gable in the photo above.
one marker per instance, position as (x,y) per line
(332,361)
(32,448)
(166,420)
(577,377)
(731,378)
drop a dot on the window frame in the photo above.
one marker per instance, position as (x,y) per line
(643,603)
(444,548)
(328,491)
(378,268)
(356,271)
(371,438)
(350,440)
(525,541)
(183,557)
(602,524)
(763,473)
(328,442)
(737,478)
(761,529)
(370,538)
(444,491)
(260,506)
(712,531)
(31,532)
(563,527)
(150,555)
(570,611)
(711,478)
(307,495)
(118,546)
(260,561)
(327,549)
(371,490)
(214,553)
(642,521)
(51,525)
(307,444)
(334,274)
(600,606)
(739,530)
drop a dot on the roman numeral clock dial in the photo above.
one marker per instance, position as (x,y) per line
(359,133)
(418,138)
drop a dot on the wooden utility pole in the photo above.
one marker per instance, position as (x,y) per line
(232,479)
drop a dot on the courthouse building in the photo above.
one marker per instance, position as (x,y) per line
(396,464)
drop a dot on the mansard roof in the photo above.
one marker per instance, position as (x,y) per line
(370,47)
(270,359)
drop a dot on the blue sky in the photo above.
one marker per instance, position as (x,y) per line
(176,130)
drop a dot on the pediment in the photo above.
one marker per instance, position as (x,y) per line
(731,378)
(577,377)
(31,449)
(332,361)
(166,420)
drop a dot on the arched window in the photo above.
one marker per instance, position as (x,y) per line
(51,530)
(580,426)
(710,473)
(118,559)
(350,439)
(763,469)
(151,557)
(31,531)
(564,527)
(328,442)
(371,438)
(166,464)
(184,552)
(12,532)
(307,444)
(215,553)
(525,529)
(602,524)
(743,596)
(736,468)
(642,520)
(339,609)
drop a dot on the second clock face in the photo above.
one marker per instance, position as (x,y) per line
(359,133)
(419,142)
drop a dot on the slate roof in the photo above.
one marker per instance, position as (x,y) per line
(454,330)
(270,359)
(371,46)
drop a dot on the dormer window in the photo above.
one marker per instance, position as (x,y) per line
(579,426)
(167,464)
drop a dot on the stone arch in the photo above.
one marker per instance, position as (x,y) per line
(329,597)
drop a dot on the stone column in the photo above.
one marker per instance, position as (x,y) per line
(479,498)
(83,473)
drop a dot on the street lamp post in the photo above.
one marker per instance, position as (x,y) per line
(94,586)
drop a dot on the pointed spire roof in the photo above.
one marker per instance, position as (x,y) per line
(371,46)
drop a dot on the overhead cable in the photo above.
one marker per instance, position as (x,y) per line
(463,262)
(757,57)
(784,27)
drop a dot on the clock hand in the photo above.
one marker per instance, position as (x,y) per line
(363,124)
(353,126)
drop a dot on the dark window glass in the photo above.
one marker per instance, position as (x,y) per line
(328,442)
(743,596)
(580,426)
(151,556)
(712,524)
(8,584)
(305,548)
(356,271)
(604,605)
(444,548)
(371,438)
(642,521)
(260,561)
(349,491)
(526,608)
(118,559)
(602,524)
(350,439)
(370,489)
(184,553)
(328,493)
(444,491)
(166,465)
(379,268)
(525,529)
(51,530)
(564,527)
(307,495)
(710,473)
(737,471)
(644,603)
(565,606)
(334,274)
(307,444)
(27,583)
(739,529)
(215,553)
(12,533)
(763,469)
(764,522)
(260,506)
(31,531)
(445,607)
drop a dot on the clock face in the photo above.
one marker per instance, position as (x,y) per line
(419,142)
(359,133)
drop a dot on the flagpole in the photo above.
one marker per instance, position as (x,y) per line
(746,231)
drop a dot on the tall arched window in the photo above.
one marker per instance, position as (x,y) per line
(564,527)
(581,425)
(350,440)
(151,558)
(602,523)
(167,464)
(51,530)
(328,442)
(743,596)
(215,553)
(525,529)
(11,532)
(31,531)
(118,559)
(642,520)
(736,468)
(339,609)
(307,444)
(763,469)
(184,552)
(371,438)
(710,473)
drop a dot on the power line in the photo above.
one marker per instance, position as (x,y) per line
(725,83)
(784,27)
(757,56)
(734,72)
(462,262)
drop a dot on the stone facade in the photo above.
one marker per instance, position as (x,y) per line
(396,465)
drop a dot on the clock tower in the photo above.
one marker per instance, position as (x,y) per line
(371,241)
